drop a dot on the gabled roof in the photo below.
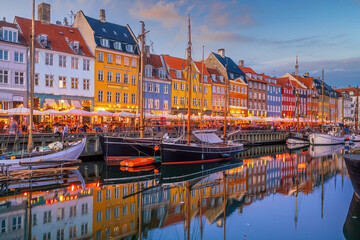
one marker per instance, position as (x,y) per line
(112,31)
(155,61)
(59,37)
(213,71)
(229,64)
(247,70)
(174,63)
(11,25)
(283,81)
(327,88)
(296,84)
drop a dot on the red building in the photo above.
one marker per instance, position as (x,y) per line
(218,91)
(288,100)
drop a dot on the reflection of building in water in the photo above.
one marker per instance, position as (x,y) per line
(273,175)
(113,215)
(256,178)
(62,214)
(13,217)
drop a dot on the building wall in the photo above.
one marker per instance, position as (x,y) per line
(238,98)
(11,92)
(218,99)
(116,87)
(273,100)
(287,102)
(253,102)
(161,96)
(56,71)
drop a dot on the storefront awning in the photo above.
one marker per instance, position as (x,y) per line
(76,104)
(50,102)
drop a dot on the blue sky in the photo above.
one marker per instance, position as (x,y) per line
(266,34)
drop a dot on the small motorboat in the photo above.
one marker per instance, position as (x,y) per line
(297,138)
(137,162)
(138,169)
(325,139)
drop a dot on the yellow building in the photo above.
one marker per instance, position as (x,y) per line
(200,93)
(116,70)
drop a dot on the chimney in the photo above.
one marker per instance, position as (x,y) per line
(221,52)
(44,13)
(58,23)
(307,74)
(241,63)
(318,78)
(147,51)
(65,22)
(102,15)
(293,73)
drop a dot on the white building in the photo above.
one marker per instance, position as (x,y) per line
(13,61)
(64,69)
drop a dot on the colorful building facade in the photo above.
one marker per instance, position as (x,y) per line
(218,92)
(116,71)
(288,100)
(273,97)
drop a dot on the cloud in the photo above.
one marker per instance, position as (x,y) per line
(221,36)
(167,13)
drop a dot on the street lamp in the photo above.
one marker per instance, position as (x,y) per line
(62,103)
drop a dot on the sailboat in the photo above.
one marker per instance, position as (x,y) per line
(201,145)
(356,136)
(297,139)
(331,138)
(115,146)
(56,152)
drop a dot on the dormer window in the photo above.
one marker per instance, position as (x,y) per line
(221,79)
(205,78)
(231,76)
(117,45)
(162,74)
(129,48)
(104,30)
(115,33)
(148,71)
(178,74)
(9,35)
(125,35)
(75,46)
(213,77)
(104,42)
(43,39)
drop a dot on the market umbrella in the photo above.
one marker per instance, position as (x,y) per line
(103,113)
(125,114)
(52,112)
(78,112)
(21,111)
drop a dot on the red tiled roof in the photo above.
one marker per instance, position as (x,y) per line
(282,81)
(247,70)
(156,61)
(296,84)
(56,35)
(12,25)
(213,71)
(175,63)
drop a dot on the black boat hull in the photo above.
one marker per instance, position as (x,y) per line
(352,162)
(119,146)
(351,227)
(190,154)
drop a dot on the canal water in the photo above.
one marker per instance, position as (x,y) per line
(265,193)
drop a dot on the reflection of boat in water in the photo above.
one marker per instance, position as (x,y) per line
(322,151)
(352,162)
(294,146)
(351,227)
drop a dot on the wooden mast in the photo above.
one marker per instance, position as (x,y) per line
(202,92)
(357,111)
(189,85)
(322,103)
(225,202)
(32,74)
(226,101)
(297,95)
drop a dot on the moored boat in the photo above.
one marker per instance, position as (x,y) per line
(325,139)
(352,162)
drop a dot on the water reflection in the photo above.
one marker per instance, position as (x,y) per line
(352,223)
(109,203)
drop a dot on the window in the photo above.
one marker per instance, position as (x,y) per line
(74,63)
(100,99)
(166,104)
(36,79)
(126,78)
(148,72)
(162,74)
(49,59)
(194,102)
(129,48)
(124,211)
(109,76)
(100,56)
(107,214)
(178,73)
(84,228)
(157,88)
(72,232)
(126,61)
(118,77)
(98,235)
(182,86)
(117,97)
(86,84)
(175,100)
(166,89)
(133,98)
(205,102)
(117,45)
(116,212)
(150,103)
(72,211)
(47,217)
(49,80)
(74,83)
(176,86)
(126,98)
(104,42)
(205,90)
(109,96)
(250,84)
(118,60)
(194,88)
(60,234)
(84,208)
(133,79)
(101,75)
(62,82)
(62,61)
(116,193)
(19,57)
(133,62)
(182,101)
(86,65)
(98,216)
(19,78)
(4,55)
(47,236)
(157,104)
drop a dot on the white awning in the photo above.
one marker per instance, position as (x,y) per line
(50,101)
(76,104)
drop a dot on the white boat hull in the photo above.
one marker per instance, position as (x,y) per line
(325,139)
(323,151)
(71,153)
(291,140)
(355,138)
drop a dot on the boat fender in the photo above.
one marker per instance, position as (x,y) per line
(156,148)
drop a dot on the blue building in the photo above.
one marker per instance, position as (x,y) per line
(273,175)
(157,85)
(273,97)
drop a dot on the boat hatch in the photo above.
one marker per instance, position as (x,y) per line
(208,137)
